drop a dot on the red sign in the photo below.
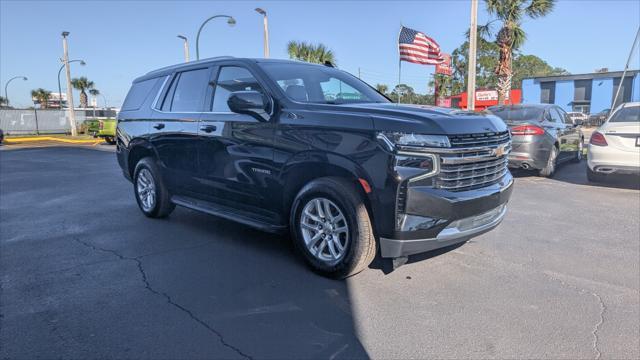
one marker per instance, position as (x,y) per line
(445,66)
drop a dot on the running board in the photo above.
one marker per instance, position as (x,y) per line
(229,213)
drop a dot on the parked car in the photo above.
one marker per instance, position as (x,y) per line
(614,148)
(543,136)
(599,118)
(103,128)
(578,118)
(291,146)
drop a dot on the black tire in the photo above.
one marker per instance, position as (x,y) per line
(552,163)
(110,140)
(579,153)
(162,205)
(593,176)
(360,249)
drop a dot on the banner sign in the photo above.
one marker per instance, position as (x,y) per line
(487,95)
(445,66)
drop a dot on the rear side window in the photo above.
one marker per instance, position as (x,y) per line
(187,91)
(138,94)
(627,114)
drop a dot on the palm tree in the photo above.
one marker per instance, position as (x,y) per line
(3,101)
(511,36)
(41,97)
(382,88)
(82,84)
(318,54)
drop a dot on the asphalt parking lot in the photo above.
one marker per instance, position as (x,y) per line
(85,275)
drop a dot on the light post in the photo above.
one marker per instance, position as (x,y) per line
(266,31)
(230,20)
(6,95)
(59,87)
(72,114)
(186,47)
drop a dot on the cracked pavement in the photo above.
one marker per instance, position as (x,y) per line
(84,274)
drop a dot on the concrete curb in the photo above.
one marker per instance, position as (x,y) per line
(50,138)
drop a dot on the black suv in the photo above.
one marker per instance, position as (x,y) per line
(284,145)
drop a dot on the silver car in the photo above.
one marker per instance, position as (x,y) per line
(543,136)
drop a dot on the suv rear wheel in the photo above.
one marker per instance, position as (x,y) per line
(150,192)
(331,228)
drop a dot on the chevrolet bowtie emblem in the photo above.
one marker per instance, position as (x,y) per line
(499,151)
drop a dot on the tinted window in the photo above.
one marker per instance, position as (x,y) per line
(320,84)
(166,104)
(189,91)
(138,94)
(627,114)
(555,116)
(517,113)
(230,79)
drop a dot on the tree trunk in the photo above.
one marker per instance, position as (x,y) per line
(83,99)
(503,70)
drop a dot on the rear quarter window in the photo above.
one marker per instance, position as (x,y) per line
(138,94)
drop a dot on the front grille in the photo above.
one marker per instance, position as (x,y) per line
(472,161)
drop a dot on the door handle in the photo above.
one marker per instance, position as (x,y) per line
(208,128)
(158,126)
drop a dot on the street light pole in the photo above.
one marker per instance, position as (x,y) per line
(473,39)
(59,87)
(266,31)
(6,95)
(231,21)
(186,47)
(72,115)
(624,73)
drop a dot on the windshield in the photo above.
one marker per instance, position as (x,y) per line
(319,84)
(511,114)
(627,114)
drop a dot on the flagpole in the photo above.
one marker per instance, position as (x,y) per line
(624,73)
(399,63)
(399,82)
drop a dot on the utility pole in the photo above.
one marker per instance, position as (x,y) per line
(359,77)
(186,47)
(65,59)
(473,39)
(265,22)
(633,47)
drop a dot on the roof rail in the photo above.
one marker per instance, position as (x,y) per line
(189,63)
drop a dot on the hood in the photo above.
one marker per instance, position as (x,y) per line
(423,119)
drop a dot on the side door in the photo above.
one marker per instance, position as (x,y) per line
(235,152)
(174,128)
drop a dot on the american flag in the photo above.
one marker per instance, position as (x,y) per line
(418,48)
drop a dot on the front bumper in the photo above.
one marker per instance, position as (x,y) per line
(459,231)
(442,218)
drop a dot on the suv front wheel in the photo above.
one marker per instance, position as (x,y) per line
(331,227)
(150,192)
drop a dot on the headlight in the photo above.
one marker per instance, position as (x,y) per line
(416,140)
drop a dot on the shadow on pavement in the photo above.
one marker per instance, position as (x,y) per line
(103,281)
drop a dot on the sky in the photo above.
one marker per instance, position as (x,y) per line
(121,40)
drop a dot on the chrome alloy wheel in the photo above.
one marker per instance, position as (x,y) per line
(146,188)
(325,230)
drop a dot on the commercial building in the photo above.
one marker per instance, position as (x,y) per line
(587,93)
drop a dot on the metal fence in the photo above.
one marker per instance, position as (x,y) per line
(30,121)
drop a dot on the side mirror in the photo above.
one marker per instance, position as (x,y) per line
(251,103)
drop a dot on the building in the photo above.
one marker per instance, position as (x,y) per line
(587,93)
(484,99)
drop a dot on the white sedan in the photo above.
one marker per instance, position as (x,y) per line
(614,148)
